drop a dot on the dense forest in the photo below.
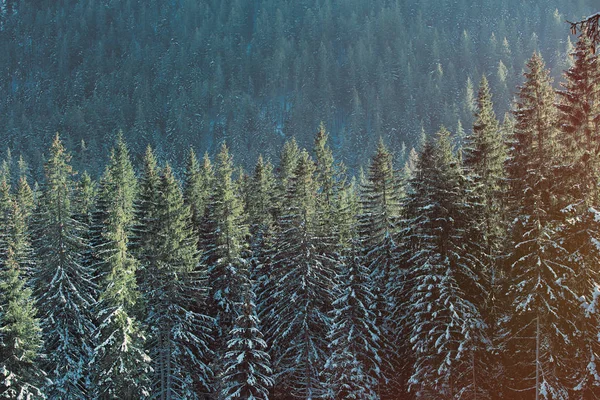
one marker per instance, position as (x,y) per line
(470,271)
(257,73)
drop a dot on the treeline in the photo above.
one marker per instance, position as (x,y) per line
(256,73)
(471,272)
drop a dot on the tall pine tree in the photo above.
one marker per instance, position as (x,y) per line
(63,286)
(540,317)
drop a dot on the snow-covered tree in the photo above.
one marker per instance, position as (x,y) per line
(120,360)
(579,112)
(540,321)
(246,370)
(378,226)
(174,287)
(296,314)
(21,344)
(62,284)
(353,368)
(446,328)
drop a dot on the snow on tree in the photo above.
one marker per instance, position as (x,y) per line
(225,253)
(540,319)
(378,226)
(174,286)
(353,369)
(484,153)
(21,340)
(446,328)
(246,365)
(579,112)
(63,287)
(296,314)
(120,361)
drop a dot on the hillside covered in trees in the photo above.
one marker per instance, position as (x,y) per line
(257,73)
(470,271)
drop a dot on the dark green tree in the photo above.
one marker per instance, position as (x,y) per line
(62,283)
(541,316)
(120,359)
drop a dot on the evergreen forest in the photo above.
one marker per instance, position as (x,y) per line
(458,260)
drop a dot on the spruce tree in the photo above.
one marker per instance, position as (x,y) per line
(21,340)
(246,365)
(579,109)
(296,317)
(120,360)
(353,368)
(541,314)
(197,188)
(64,290)
(174,286)
(484,154)
(227,251)
(446,328)
(378,227)
(260,210)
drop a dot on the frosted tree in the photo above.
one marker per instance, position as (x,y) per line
(62,284)
(579,111)
(540,323)
(484,153)
(378,227)
(259,206)
(174,287)
(120,361)
(446,329)
(296,317)
(246,365)
(353,368)
(21,342)
(226,252)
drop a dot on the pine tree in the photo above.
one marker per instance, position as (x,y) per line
(20,333)
(120,360)
(540,319)
(579,108)
(198,187)
(296,319)
(380,204)
(260,210)
(354,366)
(227,251)
(484,155)
(63,285)
(174,287)
(246,365)
(146,210)
(446,328)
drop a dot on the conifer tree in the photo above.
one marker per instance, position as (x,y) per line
(226,253)
(446,328)
(540,319)
(146,209)
(21,343)
(353,368)
(63,286)
(297,319)
(198,187)
(579,109)
(484,154)
(260,210)
(120,360)
(378,226)
(174,287)
(246,366)
(285,171)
